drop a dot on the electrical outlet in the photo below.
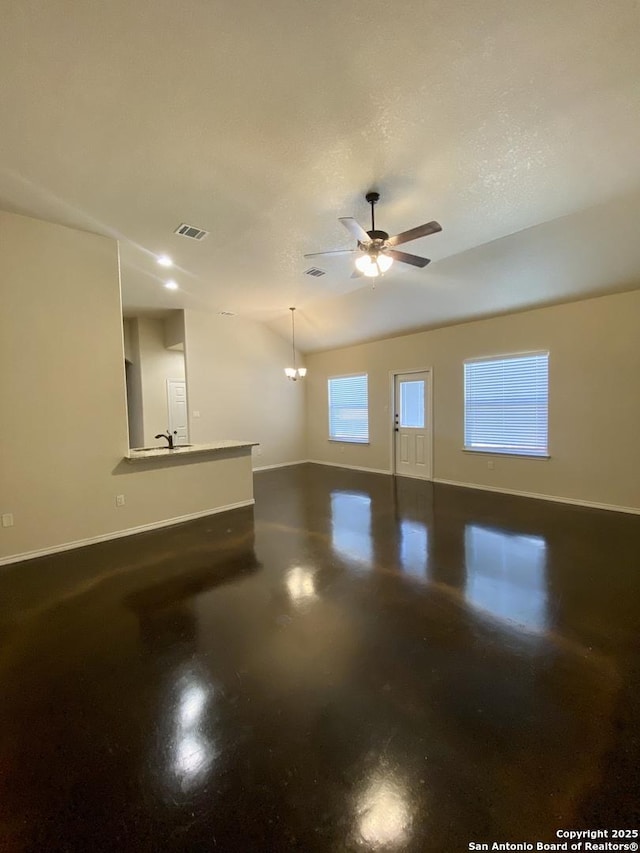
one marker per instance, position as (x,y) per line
(490,464)
(119,500)
(258,451)
(342,448)
(7,519)
(195,413)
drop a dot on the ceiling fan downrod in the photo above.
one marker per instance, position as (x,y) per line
(373,198)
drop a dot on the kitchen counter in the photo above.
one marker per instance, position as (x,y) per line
(159,453)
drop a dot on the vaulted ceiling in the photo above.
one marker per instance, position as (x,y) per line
(514,124)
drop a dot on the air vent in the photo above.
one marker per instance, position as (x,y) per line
(191,231)
(315,272)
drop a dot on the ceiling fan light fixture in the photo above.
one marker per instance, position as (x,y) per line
(373,265)
(384,262)
(366,265)
(372,270)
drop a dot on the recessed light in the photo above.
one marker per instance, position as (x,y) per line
(164,261)
(171,285)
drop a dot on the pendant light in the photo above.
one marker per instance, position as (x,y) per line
(294,373)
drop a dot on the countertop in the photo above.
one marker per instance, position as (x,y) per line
(154,453)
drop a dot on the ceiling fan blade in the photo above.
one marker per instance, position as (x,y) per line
(406,258)
(334,252)
(414,233)
(355,229)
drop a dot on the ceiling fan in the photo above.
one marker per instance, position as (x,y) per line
(376,250)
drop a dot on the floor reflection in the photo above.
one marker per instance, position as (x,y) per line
(192,703)
(414,549)
(383,813)
(507,575)
(182,749)
(301,585)
(351,526)
(193,750)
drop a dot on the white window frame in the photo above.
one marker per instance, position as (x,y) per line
(346,439)
(504,450)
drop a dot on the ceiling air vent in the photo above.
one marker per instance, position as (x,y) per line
(315,272)
(191,231)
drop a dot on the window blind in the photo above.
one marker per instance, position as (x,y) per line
(506,404)
(349,408)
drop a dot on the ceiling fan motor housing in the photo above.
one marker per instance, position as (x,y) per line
(377,241)
(378,235)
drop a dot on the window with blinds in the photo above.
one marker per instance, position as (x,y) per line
(349,408)
(506,402)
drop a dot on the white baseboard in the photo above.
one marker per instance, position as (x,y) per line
(279,465)
(538,496)
(351,467)
(118,534)
(415,477)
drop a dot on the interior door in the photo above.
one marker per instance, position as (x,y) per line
(412,425)
(177,408)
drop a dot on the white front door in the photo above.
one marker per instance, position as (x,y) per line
(412,425)
(177,407)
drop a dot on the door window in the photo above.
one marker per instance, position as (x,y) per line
(412,404)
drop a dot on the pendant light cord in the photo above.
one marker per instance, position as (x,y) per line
(293,336)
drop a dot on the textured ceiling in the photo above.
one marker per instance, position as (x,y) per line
(264,122)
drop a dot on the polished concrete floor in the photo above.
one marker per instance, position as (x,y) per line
(360,663)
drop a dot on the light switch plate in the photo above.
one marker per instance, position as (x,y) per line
(7,519)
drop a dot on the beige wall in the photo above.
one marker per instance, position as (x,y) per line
(236,381)
(63,400)
(130,344)
(594,415)
(173,325)
(135,407)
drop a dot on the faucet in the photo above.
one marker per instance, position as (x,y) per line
(168,436)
